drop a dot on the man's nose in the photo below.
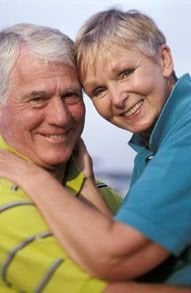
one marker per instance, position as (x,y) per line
(58,112)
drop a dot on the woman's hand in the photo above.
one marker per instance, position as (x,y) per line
(83,159)
(16,169)
(89,189)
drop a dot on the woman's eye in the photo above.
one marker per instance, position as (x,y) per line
(98,92)
(126,73)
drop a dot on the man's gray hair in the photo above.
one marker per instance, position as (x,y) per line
(45,43)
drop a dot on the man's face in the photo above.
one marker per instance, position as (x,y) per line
(44,115)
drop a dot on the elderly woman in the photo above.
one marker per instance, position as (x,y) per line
(126,68)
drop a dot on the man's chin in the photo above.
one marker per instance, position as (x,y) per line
(51,160)
(53,164)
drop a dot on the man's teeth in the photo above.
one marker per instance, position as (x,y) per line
(55,135)
(134,109)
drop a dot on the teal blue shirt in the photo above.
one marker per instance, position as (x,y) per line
(158,203)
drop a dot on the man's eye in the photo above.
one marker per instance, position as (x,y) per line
(72,98)
(37,101)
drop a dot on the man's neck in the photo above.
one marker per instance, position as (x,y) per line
(58,172)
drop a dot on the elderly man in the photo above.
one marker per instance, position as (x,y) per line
(41,120)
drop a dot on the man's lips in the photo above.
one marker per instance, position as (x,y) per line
(56,136)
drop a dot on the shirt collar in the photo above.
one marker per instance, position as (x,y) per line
(74,178)
(172,109)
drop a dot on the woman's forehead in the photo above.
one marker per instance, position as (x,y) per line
(97,56)
(104,55)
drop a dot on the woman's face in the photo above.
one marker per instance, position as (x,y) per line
(129,89)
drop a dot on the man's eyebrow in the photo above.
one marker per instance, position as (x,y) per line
(77,90)
(74,89)
(34,94)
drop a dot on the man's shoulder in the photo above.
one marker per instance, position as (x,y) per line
(110,195)
(11,193)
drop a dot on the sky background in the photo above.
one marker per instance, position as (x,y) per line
(107,144)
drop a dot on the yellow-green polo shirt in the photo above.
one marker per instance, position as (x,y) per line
(31,259)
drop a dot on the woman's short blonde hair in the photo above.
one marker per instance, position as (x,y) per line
(114,28)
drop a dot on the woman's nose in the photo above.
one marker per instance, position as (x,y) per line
(118,96)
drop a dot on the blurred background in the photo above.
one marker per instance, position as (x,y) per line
(108,145)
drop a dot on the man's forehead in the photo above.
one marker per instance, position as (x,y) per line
(28,61)
(39,72)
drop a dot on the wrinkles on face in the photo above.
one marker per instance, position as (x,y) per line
(44,115)
(129,91)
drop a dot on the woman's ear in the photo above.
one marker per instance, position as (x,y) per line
(166,60)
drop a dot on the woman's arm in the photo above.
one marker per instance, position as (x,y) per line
(133,287)
(105,248)
(90,195)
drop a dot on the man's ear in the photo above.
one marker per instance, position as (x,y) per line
(1,107)
(1,110)
(166,60)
